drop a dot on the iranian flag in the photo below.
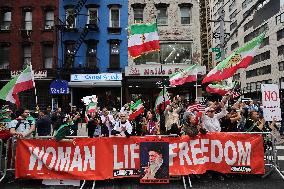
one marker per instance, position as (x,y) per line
(20,83)
(185,76)
(219,88)
(136,109)
(160,101)
(239,59)
(143,39)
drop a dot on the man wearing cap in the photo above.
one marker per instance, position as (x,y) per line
(211,120)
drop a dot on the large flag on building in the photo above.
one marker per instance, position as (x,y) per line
(185,76)
(20,83)
(136,109)
(161,103)
(239,59)
(143,39)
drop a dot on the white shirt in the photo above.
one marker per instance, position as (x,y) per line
(24,126)
(213,124)
(118,127)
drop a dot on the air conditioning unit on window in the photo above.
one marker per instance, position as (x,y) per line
(48,27)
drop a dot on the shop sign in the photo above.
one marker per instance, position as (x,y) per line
(37,74)
(59,87)
(158,70)
(97,77)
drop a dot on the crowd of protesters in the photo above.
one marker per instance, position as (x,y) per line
(175,119)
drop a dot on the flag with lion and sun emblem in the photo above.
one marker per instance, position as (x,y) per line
(241,58)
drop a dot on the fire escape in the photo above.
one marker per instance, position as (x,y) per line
(67,65)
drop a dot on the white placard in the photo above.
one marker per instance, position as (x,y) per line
(271,102)
(61,182)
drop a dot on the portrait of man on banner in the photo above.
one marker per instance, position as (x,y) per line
(154,162)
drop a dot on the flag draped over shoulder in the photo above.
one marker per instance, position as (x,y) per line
(20,83)
(160,101)
(239,59)
(143,39)
(136,109)
(187,75)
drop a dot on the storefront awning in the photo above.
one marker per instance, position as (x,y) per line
(85,84)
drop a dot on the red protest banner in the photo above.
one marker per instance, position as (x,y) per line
(104,158)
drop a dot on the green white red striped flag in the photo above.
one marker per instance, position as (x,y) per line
(220,88)
(136,109)
(20,83)
(187,75)
(143,39)
(161,102)
(239,59)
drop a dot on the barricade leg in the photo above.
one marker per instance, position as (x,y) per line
(6,160)
(184,182)
(84,182)
(94,184)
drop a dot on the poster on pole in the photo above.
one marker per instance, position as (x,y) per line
(271,102)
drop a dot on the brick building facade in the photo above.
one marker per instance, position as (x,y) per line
(27,35)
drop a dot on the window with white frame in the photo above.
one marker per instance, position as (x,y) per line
(4,55)
(162,18)
(114,55)
(138,15)
(69,54)
(47,55)
(114,17)
(27,55)
(28,18)
(91,55)
(49,19)
(70,18)
(6,20)
(185,15)
(92,16)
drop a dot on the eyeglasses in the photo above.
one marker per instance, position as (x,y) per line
(211,111)
(26,112)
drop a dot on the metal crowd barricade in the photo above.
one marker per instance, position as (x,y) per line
(1,154)
(270,155)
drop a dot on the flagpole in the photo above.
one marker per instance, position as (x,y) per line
(33,78)
(196,89)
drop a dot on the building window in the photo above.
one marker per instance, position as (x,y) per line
(281,81)
(114,17)
(280,34)
(281,66)
(69,55)
(49,19)
(234,46)
(47,56)
(185,15)
(255,33)
(91,55)
(176,52)
(70,17)
(261,57)
(4,55)
(114,59)
(280,50)
(27,55)
(6,18)
(264,42)
(28,20)
(233,15)
(138,15)
(248,25)
(232,5)
(233,25)
(259,71)
(162,18)
(245,3)
(92,16)
(279,19)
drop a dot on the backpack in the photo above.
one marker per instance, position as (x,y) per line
(20,121)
